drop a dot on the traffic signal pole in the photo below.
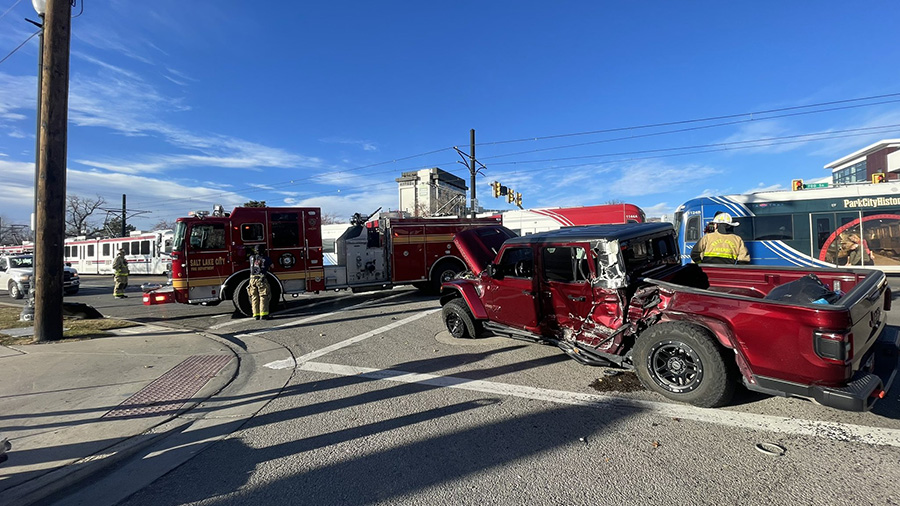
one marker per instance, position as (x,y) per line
(51,184)
(472,169)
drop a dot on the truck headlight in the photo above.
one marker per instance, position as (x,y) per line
(24,277)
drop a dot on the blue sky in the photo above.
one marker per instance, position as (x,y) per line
(181,105)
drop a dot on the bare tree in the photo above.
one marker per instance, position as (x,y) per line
(331,219)
(78,215)
(12,234)
(255,203)
(164,225)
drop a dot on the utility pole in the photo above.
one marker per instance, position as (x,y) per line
(51,183)
(124,234)
(472,170)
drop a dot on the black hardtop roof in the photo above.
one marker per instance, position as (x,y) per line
(619,232)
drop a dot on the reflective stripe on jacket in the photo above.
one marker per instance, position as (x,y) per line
(715,245)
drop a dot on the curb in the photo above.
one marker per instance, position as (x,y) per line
(75,473)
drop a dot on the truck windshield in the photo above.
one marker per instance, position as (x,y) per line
(178,241)
(19,262)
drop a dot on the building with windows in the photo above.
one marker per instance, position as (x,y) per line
(432,192)
(857,167)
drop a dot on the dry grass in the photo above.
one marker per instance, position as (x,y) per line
(75,329)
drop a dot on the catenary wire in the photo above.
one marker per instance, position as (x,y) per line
(11,8)
(718,147)
(19,46)
(682,130)
(695,120)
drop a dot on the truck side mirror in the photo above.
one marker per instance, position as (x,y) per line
(494,271)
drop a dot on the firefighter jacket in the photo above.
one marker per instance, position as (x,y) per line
(120,266)
(259,265)
(718,248)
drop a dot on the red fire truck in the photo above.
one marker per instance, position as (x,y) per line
(210,254)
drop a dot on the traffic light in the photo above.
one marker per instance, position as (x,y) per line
(504,190)
(797,184)
(518,199)
(510,195)
(878,177)
(495,186)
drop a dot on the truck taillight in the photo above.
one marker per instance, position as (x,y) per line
(834,346)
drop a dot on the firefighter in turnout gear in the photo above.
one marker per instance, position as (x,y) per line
(720,245)
(120,270)
(258,287)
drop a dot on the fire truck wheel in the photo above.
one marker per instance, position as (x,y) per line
(241,298)
(459,320)
(444,271)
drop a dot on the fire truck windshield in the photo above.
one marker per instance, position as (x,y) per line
(178,242)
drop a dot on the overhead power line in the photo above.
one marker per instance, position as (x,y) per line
(19,46)
(655,154)
(694,120)
(687,129)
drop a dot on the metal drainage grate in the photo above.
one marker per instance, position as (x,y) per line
(173,389)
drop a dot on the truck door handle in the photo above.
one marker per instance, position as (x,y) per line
(526,292)
(577,299)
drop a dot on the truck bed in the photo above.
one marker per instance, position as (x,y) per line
(775,341)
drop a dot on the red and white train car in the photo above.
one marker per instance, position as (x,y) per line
(146,252)
(530,221)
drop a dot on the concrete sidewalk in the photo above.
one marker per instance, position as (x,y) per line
(74,409)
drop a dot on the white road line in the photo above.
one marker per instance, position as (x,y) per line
(294,323)
(830,430)
(290,362)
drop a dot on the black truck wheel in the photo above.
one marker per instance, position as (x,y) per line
(14,291)
(444,271)
(241,299)
(459,320)
(685,363)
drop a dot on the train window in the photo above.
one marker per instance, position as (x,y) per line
(124,247)
(745,227)
(135,247)
(773,228)
(106,250)
(252,232)
(145,247)
(692,228)
(67,251)
(90,252)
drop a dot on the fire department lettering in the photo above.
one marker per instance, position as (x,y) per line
(205,264)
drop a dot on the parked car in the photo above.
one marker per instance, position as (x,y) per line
(16,272)
(618,295)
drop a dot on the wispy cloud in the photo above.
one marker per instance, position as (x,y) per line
(364,145)
(648,178)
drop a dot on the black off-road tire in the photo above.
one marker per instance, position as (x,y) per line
(684,362)
(459,320)
(71,291)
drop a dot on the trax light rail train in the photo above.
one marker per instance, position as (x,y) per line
(810,227)
(146,252)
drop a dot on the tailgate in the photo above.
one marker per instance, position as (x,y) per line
(868,303)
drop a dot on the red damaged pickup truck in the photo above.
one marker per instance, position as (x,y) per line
(617,295)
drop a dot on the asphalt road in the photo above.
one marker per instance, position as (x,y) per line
(385,408)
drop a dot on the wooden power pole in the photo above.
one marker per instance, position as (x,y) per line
(51,184)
